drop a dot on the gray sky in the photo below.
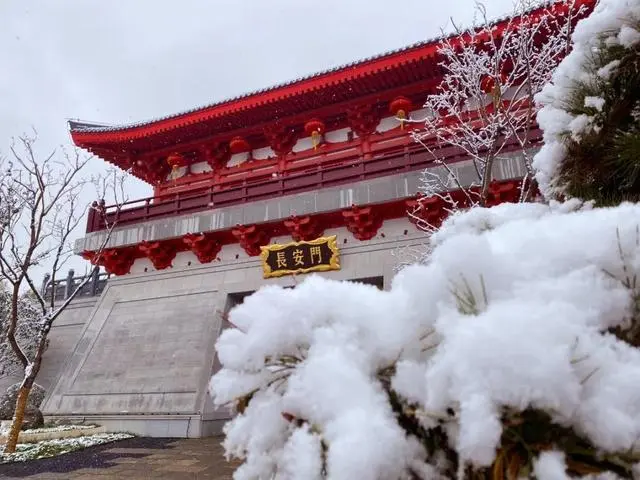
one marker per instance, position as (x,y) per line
(125,61)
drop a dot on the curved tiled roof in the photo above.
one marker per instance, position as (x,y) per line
(87,134)
(81,126)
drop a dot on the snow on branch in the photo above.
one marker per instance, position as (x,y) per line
(484,105)
(590,112)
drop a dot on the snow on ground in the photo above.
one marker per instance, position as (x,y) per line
(51,448)
(60,428)
(510,311)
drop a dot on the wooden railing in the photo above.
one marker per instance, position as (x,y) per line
(327,171)
(251,190)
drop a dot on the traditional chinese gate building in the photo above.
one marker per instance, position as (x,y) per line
(325,159)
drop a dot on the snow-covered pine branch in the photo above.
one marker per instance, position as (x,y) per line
(459,355)
(513,352)
(484,105)
(591,111)
(481,358)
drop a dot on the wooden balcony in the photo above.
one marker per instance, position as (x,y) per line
(326,171)
(256,189)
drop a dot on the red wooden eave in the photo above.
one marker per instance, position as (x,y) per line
(410,71)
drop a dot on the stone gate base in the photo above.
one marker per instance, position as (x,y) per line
(161,426)
(144,357)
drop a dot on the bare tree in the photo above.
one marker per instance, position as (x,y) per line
(40,207)
(485,105)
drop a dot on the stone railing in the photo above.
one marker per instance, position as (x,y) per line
(63,288)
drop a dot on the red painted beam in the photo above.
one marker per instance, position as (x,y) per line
(364,223)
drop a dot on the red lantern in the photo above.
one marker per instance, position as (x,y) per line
(176,160)
(239,145)
(400,107)
(487,84)
(315,128)
(493,86)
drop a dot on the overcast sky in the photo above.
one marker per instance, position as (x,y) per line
(132,60)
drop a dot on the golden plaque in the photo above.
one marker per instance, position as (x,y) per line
(320,255)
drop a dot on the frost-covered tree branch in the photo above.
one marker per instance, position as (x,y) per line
(40,208)
(484,106)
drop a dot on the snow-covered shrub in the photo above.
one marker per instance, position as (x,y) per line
(490,357)
(10,396)
(512,352)
(26,331)
(591,111)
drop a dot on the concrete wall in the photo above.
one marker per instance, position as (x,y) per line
(146,354)
(63,336)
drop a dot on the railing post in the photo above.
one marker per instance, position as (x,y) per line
(69,286)
(45,284)
(101,213)
(95,278)
(91,218)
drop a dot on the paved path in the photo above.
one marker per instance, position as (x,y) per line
(135,458)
